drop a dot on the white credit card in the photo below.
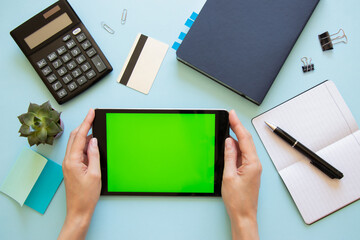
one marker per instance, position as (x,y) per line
(143,63)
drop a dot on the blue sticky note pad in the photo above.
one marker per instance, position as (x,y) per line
(194,15)
(176,45)
(182,36)
(189,23)
(45,187)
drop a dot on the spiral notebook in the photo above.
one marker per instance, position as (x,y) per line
(321,120)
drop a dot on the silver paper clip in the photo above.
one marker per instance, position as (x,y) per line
(327,41)
(107,28)
(123,16)
(307,66)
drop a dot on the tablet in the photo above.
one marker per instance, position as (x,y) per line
(161,152)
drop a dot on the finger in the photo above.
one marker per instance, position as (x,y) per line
(230,157)
(80,138)
(239,158)
(94,157)
(88,138)
(246,143)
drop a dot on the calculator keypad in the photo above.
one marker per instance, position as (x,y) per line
(91,52)
(57,63)
(81,37)
(42,63)
(70,44)
(52,56)
(72,65)
(62,71)
(80,59)
(51,78)
(76,51)
(86,45)
(61,50)
(46,71)
(99,64)
(67,79)
(66,58)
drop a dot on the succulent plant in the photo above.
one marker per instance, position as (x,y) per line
(40,124)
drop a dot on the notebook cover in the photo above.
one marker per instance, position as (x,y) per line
(242,44)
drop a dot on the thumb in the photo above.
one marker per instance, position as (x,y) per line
(230,157)
(93,156)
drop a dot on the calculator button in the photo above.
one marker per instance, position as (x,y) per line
(80,59)
(76,51)
(46,71)
(56,86)
(62,93)
(51,78)
(52,56)
(82,80)
(99,64)
(67,79)
(66,37)
(61,50)
(72,86)
(62,71)
(41,63)
(66,57)
(71,65)
(81,37)
(85,67)
(85,45)
(76,72)
(57,63)
(76,31)
(70,44)
(91,74)
(91,52)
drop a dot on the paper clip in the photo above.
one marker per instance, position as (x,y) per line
(107,28)
(307,66)
(123,16)
(327,41)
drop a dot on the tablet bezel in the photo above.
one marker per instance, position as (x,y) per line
(221,133)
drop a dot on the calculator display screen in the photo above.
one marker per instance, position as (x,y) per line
(48,30)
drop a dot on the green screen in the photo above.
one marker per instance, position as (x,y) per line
(160,152)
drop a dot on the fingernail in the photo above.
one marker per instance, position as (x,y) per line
(228,144)
(94,142)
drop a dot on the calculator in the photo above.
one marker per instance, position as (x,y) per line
(62,51)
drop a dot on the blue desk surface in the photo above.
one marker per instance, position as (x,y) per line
(176,86)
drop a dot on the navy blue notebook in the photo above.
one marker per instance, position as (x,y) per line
(242,44)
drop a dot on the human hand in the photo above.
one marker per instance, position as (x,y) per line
(82,176)
(241,181)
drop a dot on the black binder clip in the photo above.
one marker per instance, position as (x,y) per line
(307,66)
(327,41)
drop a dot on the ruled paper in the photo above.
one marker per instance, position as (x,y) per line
(321,120)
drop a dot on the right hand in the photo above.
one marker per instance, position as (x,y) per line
(82,177)
(241,181)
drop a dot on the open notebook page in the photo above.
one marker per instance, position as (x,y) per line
(315,194)
(317,118)
(320,119)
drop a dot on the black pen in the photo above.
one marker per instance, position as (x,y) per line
(317,161)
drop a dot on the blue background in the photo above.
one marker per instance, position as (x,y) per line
(176,86)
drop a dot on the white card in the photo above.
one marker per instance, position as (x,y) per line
(143,63)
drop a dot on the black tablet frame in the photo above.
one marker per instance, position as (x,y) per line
(221,133)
